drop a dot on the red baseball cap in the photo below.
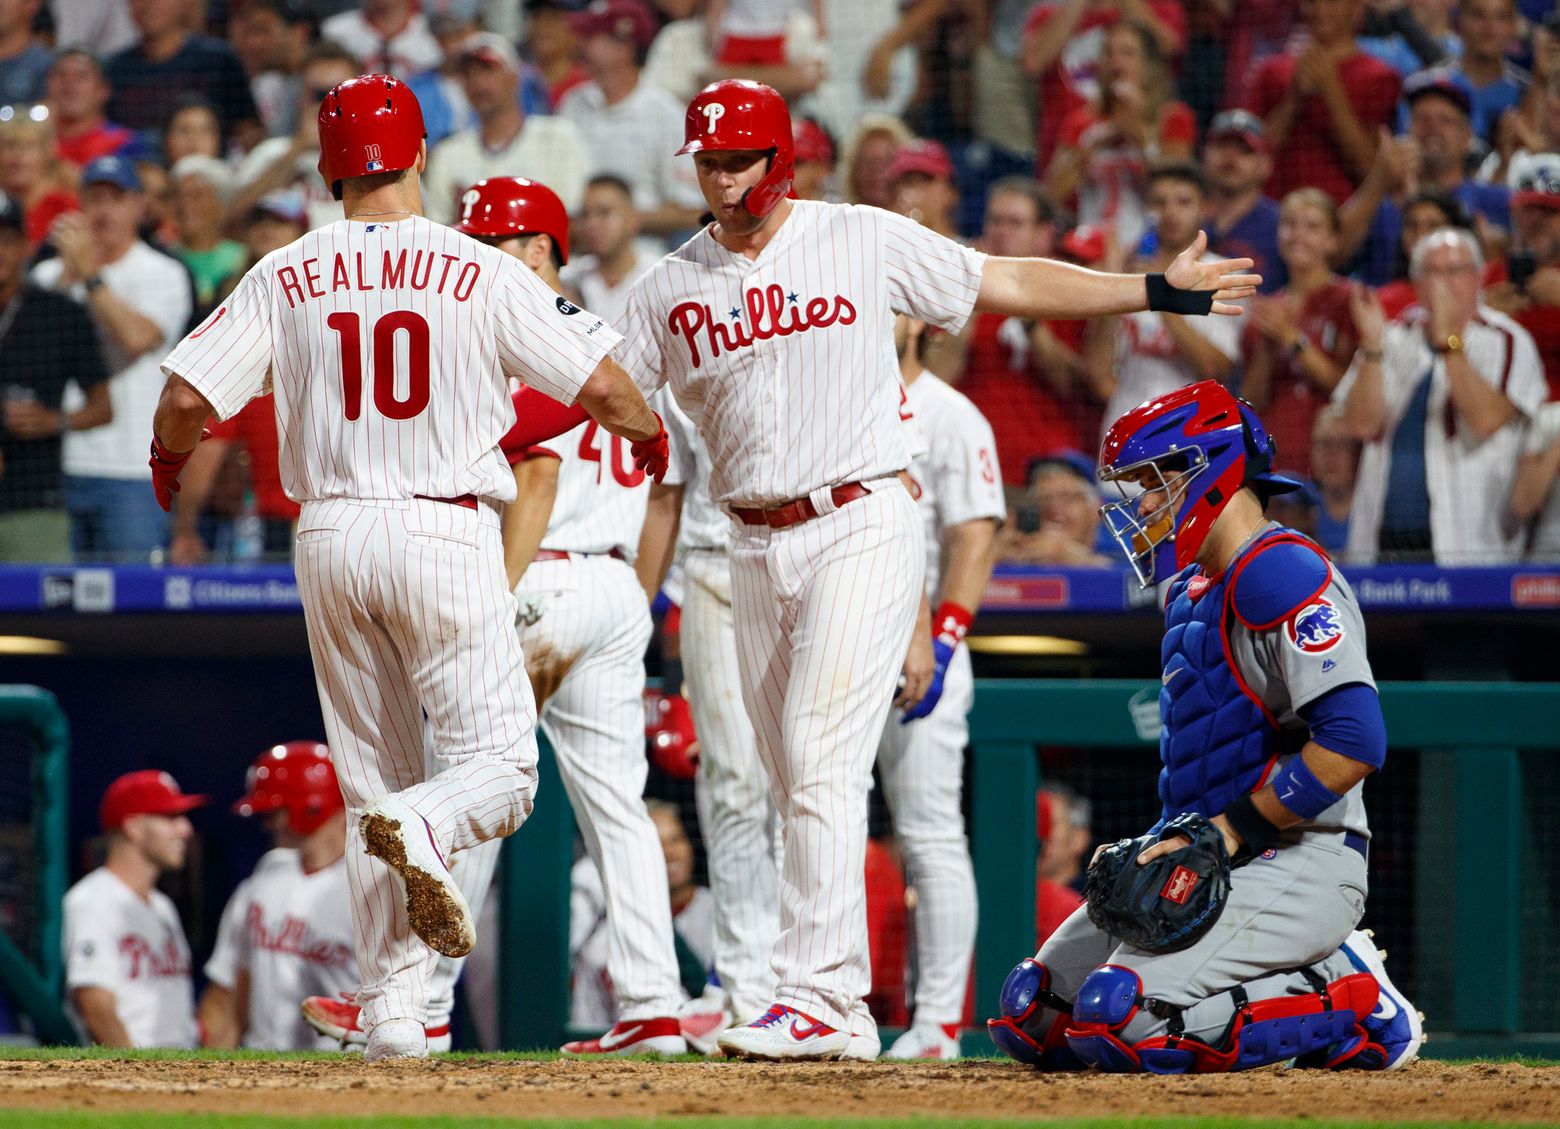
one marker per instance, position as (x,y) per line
(1086,243)
(1534,180)
(922,156)
(147,792)
(628,20)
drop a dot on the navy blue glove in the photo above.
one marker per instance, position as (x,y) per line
(942,655)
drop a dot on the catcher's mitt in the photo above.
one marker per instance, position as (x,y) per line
(1169,903)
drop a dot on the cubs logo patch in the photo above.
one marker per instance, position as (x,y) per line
(1315,628)
(1179,886)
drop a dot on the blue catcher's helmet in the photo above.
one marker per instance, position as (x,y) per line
(1189,451)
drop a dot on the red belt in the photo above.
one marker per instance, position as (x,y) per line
(562,555)
(465,501)
(797,510)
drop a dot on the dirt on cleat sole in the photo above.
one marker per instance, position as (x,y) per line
(434,916)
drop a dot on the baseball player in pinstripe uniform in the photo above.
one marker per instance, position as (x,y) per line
(958,491)
(569,544)
(773,328)
(389,342)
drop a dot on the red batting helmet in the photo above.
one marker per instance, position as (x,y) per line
(512,205)
(736,113)
(368,124)
(297,778)
(674,747)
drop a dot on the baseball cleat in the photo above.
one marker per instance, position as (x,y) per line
(396,1038)
(438,912)
(702,1020)
(862,1048)
(660,1036)
(784,1033)
(342,1020)
(1396,1026)
(925,1042)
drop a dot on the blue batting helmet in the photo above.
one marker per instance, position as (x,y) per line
(1192,449)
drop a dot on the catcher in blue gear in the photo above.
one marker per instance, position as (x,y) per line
(1270,722)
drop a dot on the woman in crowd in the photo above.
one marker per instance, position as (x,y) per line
(1104,148)
(863,171)
(1300,339)
(32,175)
(192,130)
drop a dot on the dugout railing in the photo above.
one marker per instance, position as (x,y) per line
(1480,891)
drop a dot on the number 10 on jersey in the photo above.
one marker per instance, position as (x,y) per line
(382,349)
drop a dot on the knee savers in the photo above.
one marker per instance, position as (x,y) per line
(1323,1024)
(1025,1030)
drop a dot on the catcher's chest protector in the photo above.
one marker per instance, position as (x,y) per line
(1216,742)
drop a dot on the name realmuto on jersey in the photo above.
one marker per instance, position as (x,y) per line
(396,270)
(770,312)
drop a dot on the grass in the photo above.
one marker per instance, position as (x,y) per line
(40,1119)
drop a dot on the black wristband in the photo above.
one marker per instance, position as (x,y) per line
(1257,832)
(1172,300)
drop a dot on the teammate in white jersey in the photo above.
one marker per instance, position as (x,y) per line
(585,627)
(773,327)
(127,964)
(921,753)
(389,342)
(287,930)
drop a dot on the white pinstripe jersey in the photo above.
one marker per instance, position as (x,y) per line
(703,524)
(786,362)
(601,494)
(389,347)
(957,479)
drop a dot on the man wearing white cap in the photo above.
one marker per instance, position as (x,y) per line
(504,141)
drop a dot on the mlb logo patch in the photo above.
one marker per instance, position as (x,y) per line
(1179,886)
(373,160)
(1315,629)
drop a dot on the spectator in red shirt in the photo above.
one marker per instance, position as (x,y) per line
(1062,43)
(31,175)
(1530,290)
(1062,818)
(1104,147)
(77,95)
(1026,378)
(1324,107)
(1299,341)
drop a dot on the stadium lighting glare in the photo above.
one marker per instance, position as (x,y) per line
(31,645)
(1025,645)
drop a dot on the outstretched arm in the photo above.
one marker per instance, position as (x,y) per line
(1044,288)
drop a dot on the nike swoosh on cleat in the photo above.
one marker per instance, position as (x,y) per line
(1385,1008)
(609,1040)
(801,1035)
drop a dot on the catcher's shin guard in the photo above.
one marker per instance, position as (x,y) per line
(1322,1022)
(1022,1031)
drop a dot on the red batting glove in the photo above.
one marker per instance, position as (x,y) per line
(166,466)
(652,455)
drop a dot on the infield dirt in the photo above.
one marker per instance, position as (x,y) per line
(1491,1092)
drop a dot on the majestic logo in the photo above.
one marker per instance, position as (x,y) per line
(373,160)
(566,307)
(769,312)
(712,114)
(1315,628)
(1179,886)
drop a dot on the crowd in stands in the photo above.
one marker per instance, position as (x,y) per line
(1392,166)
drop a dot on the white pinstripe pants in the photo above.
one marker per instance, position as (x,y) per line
(922,768)
(586,658)
(824,611)
(735,809)
(408,611)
